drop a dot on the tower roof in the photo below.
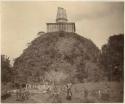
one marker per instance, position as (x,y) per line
(61,15)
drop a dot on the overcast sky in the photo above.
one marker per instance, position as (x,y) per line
(21,21)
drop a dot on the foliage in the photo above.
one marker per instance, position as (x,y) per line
(6,69)
(61,53)
(112,57)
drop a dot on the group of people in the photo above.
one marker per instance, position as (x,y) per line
(22,94)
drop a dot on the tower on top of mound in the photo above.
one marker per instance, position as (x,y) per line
(62,23)
(61,15)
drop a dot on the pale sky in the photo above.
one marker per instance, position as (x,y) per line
(21,21)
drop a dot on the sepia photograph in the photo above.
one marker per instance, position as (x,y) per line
(62,52)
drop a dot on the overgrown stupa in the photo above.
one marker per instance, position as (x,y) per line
(62,23)
(59,55)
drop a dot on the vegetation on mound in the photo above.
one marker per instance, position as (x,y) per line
(61,55)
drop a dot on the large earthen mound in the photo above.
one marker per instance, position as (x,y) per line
(58,56)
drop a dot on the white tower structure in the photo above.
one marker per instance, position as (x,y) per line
(62,23)
(61,15)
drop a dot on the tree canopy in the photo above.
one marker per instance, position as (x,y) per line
(6,70)
(8,73)
(112,57)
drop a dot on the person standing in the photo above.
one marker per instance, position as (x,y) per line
(85,93)
(69,92)
(56,95)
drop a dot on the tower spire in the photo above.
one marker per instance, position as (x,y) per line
(62,23)
(61,15)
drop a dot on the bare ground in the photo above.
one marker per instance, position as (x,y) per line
(110,92)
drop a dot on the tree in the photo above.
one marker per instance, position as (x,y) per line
(6,69)
(112,57)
